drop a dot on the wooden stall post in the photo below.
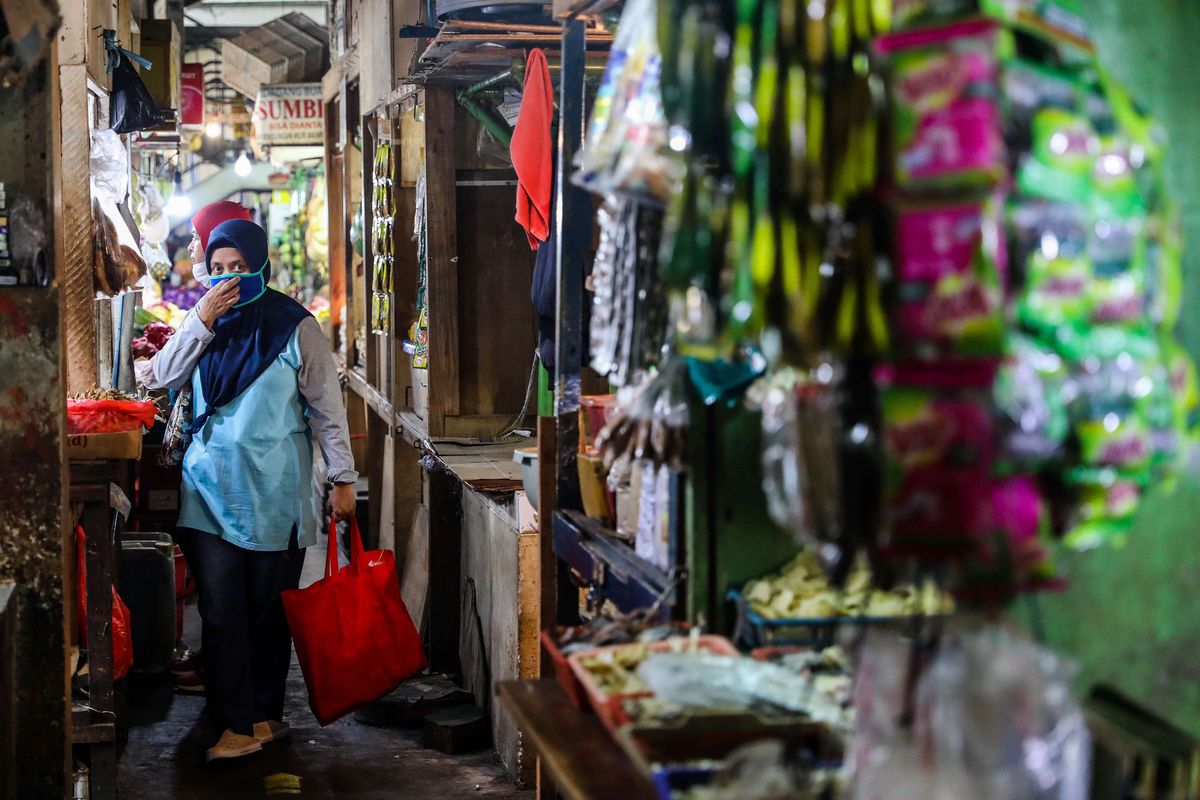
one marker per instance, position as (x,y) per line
(445,570)
(442,259)
(573,227)
(71,145)
(573,221)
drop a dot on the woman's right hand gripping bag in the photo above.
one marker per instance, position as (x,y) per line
(354,638)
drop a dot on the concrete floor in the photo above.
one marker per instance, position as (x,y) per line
(164,757)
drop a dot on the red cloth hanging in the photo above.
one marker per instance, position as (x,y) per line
(531,150)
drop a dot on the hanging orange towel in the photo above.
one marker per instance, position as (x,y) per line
(530,150)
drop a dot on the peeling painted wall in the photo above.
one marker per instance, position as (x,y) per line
(31,527)
(32,411)
(497,564)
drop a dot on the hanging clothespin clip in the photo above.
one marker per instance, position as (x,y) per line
(114,51)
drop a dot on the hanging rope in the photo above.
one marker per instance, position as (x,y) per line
(114,51)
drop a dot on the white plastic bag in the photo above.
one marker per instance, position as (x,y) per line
(109,167)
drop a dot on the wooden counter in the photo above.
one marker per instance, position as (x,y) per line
(576,754)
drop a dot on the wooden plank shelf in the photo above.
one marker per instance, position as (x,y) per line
(609,564)
(576,752)
(374,398)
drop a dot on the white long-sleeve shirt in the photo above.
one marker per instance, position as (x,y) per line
(172,367)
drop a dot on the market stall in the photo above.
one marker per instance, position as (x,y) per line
(432,317)
(887,298)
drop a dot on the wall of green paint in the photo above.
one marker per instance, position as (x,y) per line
(1131,616)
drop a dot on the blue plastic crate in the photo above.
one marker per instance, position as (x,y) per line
(754,630)
(668,780)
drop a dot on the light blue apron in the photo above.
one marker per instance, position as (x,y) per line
(247,475)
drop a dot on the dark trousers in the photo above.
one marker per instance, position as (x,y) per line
(247,644)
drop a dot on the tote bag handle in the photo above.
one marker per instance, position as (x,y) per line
(331,553)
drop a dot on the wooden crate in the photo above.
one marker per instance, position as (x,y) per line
(284,50)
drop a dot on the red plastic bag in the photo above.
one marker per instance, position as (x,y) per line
(354,638)
(108,416)
(122,634)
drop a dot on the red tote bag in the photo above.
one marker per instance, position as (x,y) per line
(354,638)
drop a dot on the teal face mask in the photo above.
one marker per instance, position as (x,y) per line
(251,286)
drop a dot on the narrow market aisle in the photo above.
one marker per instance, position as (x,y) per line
(168,736)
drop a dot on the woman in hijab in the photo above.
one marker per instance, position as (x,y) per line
(188,669)
(263,380)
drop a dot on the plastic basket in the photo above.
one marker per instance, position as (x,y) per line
(755,631)
(562,668)
(610,708)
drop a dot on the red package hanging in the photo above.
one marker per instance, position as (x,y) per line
(109,416)
(354,638)
(531,151)
(122,633)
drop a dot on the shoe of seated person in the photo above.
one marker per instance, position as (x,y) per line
(271,730)
(233,745)
(188,661)
(190,682)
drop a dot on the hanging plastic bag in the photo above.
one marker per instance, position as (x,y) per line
(152,217)
(994,719)
(131,108)
(179,430)
(354,638)
(108,166)
(122,636)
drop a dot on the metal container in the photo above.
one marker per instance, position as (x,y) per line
(527,457)
(498,10)
(148,589)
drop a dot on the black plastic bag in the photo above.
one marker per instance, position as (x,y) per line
(131,108)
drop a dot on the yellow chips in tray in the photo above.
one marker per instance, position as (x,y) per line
(801,591)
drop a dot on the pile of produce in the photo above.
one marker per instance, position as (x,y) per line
(801,590)
(108,411)
(154,336)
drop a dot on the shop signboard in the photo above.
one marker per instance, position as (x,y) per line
(289,114)
(191,110)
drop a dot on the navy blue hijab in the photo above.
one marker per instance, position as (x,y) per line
(246,340)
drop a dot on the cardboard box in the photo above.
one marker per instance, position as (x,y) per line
(285,50)
(102,446)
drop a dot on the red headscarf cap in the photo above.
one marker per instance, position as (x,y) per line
(213,215)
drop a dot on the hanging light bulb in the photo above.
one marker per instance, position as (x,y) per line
(180,205)
(213,129)
(242,166)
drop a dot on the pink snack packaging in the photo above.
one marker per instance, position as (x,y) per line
(939,451)
(951,270)
(946,116)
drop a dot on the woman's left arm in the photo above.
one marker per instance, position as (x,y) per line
(323,392)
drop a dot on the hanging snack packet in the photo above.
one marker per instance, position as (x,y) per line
(1184,384)
(951,263)
(938,451)
(1052,269)
(1158,409)
(1117,248)
(946,118)
(1053,141)
(1059,23)
(1013,556)
(1030,398)
(1107,411)
(1105,507)
(1164,270)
